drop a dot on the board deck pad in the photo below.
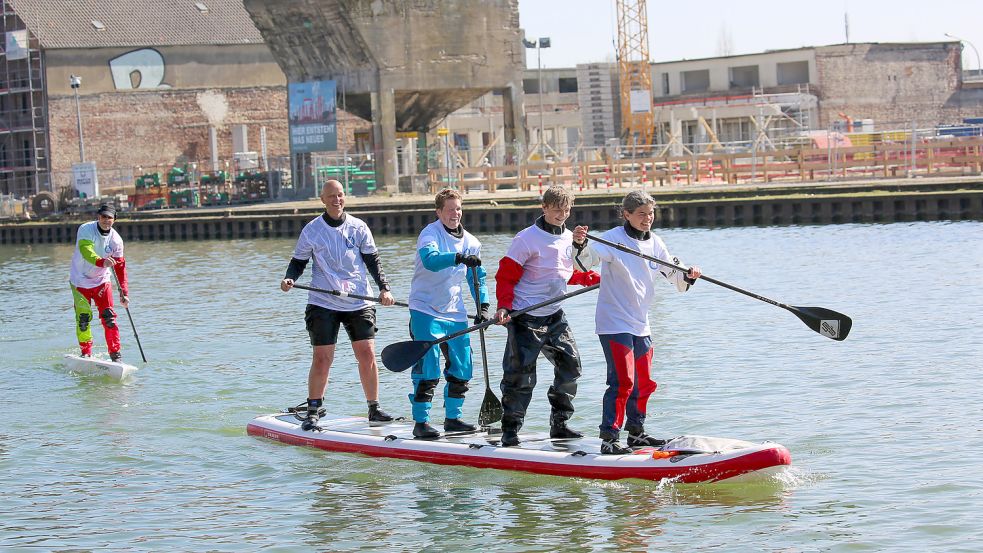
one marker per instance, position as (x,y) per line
(686,458)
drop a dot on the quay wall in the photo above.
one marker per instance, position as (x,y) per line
(392,219)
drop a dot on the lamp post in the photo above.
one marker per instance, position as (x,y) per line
(543,42)
(75,82)
(979,69)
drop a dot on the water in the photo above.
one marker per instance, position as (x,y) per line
(885,428)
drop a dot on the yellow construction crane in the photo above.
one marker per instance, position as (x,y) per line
(635,77)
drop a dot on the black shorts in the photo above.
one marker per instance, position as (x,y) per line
(323,324)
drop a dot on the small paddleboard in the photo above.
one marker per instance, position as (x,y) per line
(98,367)
(687,459)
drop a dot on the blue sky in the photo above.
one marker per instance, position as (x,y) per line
(583,31)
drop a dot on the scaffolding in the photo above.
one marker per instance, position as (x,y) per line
(24,164)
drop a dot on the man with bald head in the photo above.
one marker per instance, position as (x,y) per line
(344,255)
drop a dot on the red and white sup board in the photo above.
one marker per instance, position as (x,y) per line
(687,459)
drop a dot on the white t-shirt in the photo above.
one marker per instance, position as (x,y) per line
(547,265)
(440,294)
(628,282)
(338,265)
(83,273)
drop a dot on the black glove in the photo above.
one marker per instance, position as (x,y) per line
(467,260)
(482,315)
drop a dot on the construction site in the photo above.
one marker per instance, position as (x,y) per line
(436,94)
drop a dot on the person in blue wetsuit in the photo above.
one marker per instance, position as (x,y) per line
(445,255)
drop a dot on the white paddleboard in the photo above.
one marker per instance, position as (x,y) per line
(93,366)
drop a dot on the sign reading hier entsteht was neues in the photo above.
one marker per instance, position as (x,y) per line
(312,117)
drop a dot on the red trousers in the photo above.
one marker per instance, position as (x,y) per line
(103,298)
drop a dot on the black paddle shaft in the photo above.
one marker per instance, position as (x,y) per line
(403,355)
(490,322)
(816,318)
(346,294)
(133,326)
(353,296)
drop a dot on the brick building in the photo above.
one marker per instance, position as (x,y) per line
(156,77)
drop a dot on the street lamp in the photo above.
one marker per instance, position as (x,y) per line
(75,82)
(979,70)
(543,42)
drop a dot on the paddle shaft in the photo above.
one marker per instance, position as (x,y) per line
(685,270)
(481,333)
(128,316)
(353,296)
(346,294)
(488,323)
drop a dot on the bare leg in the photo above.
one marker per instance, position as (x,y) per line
(317,380)
(368,371)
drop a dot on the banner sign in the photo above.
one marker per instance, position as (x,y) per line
(312,117)
(85,180)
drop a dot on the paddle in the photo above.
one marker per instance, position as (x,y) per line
(354,296)
(346,294)
(402,355)
(491,407)
(133,326)
(824,321)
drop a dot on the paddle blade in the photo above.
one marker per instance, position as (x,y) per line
(491,409)
(402,355)
(826,322)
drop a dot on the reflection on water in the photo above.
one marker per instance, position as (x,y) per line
(162,461)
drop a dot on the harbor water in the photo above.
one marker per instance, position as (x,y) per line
(885,428)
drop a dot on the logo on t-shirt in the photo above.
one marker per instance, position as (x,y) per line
(349,240)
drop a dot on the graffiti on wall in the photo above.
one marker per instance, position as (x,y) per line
(139,69)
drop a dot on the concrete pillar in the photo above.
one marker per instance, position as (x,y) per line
(384,137)
(514,121)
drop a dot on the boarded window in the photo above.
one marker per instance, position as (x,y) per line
(695,81)
(744,77)
(568,84)
(793,72)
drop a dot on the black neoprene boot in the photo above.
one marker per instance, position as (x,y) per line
(377,416)
(457,425)
(560,430)
(510,438)
(610,446)
(423,431)
(638,438)
(313,414)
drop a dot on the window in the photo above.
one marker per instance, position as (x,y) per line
(665,84)
(568,84)
(744,77)
(530,86)
(794,72)
(695,81)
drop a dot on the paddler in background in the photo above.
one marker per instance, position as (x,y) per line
(538,266)
(445,255)
(98,249)
(344,255)
(622,321)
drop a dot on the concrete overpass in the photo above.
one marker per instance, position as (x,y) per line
(402,64)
